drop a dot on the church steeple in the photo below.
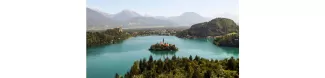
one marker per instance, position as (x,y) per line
(163,40)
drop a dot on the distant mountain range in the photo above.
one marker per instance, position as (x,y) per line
(97,18)
(128,18)
(126,15)
(188,19)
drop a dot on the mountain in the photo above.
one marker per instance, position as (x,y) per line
(188,18)
(127,18)
(161,17)
(148,21)
(103,13)
(147,15)
(99,19)
(215,27)
(125,15)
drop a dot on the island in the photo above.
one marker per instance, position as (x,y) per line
(162,46)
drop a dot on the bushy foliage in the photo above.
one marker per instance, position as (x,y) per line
(229,40)
(182,34)
(109,36)
(185,68)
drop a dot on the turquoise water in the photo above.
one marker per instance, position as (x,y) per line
(105,61)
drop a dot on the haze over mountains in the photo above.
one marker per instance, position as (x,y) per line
(189,18)
(128,18)
(126,15)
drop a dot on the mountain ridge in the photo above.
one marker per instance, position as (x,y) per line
(98,19)
(127,18)
(126,15)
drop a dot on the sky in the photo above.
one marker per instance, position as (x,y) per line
(206,8)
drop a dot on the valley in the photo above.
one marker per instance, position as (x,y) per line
(179,43)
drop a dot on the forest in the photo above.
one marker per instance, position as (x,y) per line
(229,40)
(109,36)
(176,67)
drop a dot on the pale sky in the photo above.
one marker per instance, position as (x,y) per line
(207,8)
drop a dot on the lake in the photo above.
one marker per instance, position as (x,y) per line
(104,61)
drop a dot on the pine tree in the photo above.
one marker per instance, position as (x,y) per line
(207,74)
(150,59)
(189,69)
(160,66)
(117,76)
(196,58)
(141,66)
(196,74)
(135,68)
(127,75)
(231,64)
(191,57)
(144,60)
(145,64)
(174,58)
